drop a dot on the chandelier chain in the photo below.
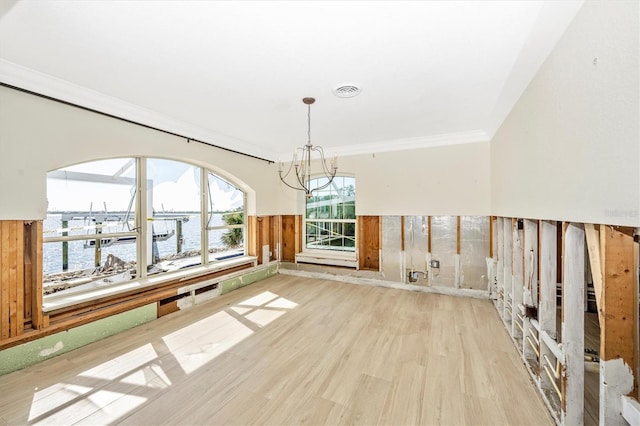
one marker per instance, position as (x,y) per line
(309,124)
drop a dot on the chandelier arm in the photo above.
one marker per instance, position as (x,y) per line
(329,172)
(301,174)
(288,171)
(292,187)
(283,179)
(323,186)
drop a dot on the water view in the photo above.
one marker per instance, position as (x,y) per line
(81,254)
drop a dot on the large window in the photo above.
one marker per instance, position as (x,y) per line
(330,219)
(225,224)
(105,226)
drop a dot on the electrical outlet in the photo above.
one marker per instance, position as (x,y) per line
(435,264)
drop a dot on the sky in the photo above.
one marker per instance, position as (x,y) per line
(176,188)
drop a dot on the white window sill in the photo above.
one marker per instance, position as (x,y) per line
(334,258)
(94,291)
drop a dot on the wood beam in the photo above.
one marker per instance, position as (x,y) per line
(289,237)
(252,237)
(548,274)
(507,268)
(573,284)
(298,233)
(491,237)
(457,234)
(530,297)
(500,261)
(619,326)
(593,246)
(517,289)
(428,234)
(369,243)
(37,316)
(401,233)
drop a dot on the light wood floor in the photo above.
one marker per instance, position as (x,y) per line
(291,350)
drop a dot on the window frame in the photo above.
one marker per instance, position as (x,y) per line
(141,232)
(331,252)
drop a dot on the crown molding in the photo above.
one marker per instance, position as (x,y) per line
(447,139)
(28,79)
(44,84)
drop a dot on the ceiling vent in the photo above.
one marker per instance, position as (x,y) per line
(347,90)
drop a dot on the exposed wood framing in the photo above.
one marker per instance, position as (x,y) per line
(619,326)
(275,237)
(547,305)
(428,258)
(252,240)
(491,237)
(298,233)
(530,296)
(457,234)
(500,262)
(21,316)
(402,233)
(264,249)
(560,233)
(593,246)
(531,338)
(507,267)
(12,306)
(290,237)
(83,313)
(369,242)
(492,285)
(573,285)
(429,234)
(548,275)
(261,238)
(517,318)
(457,261)
(33,271)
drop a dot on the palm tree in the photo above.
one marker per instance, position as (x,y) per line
(233,237)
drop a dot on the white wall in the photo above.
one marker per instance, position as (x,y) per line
(569,149)
(38,135)
(447,180)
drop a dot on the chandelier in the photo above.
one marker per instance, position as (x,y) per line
(301,163)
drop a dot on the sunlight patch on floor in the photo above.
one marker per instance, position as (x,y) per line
(122,364)
(107,392)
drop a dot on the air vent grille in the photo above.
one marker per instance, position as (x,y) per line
(347,90)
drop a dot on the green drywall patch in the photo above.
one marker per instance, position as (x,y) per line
(235,283)
(29,353)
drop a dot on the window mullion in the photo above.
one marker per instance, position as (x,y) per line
(142,225)
(204,216)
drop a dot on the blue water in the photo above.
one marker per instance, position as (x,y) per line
(84,258)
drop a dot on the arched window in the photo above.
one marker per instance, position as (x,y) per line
(330,219)
(111,221)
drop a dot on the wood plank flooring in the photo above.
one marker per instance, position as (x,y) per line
(291,350)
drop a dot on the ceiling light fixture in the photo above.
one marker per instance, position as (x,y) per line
(301,162)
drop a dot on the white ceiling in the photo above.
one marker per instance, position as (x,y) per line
(234,73)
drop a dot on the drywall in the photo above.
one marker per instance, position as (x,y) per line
(30,353)
(570,148)
(235,283)
(39,135)
(445,180)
